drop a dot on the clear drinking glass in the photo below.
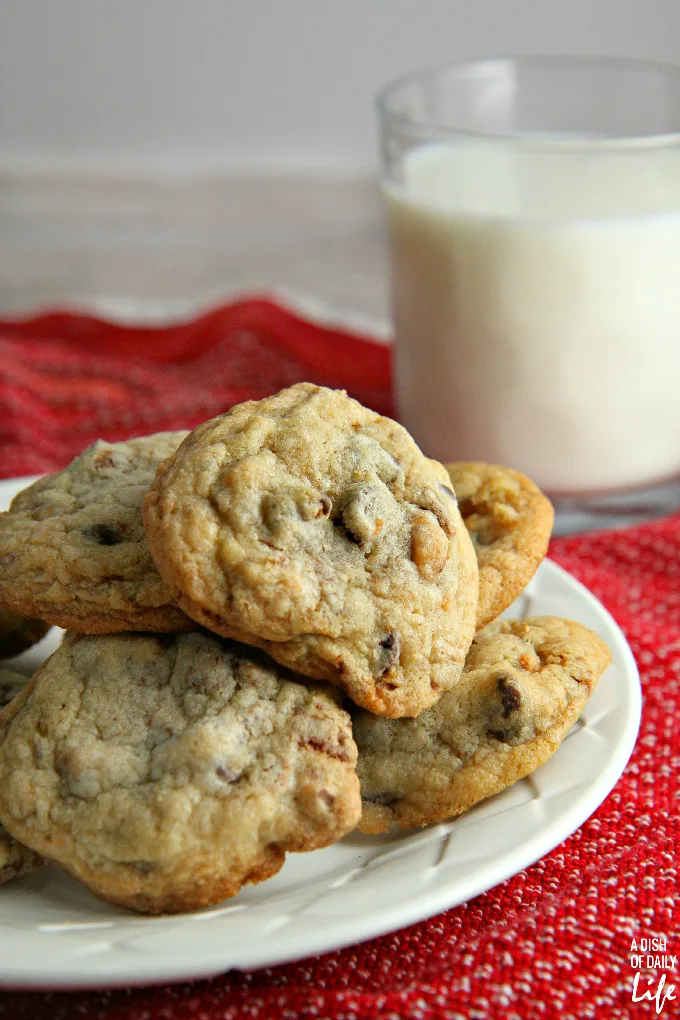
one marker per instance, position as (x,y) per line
(533,209)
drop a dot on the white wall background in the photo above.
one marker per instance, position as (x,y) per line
(265,84)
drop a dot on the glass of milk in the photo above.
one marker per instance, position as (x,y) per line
(533,209)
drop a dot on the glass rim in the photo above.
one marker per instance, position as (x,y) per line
(387,114)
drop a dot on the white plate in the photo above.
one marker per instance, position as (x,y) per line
(54,934)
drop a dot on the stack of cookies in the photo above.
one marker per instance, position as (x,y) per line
(279,628)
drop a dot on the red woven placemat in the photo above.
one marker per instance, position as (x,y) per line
(554,940)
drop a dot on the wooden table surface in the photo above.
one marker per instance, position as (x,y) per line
(74,239)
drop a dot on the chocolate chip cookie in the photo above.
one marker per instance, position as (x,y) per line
(72,545)
(17,633)
(165,772)
(524,685)
(16,859)
(312,527)
(509,520)
(11,683)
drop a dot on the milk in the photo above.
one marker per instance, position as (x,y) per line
(536,299)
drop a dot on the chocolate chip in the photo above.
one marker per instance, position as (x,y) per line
(386,799)
(388,653)
(339,523)
(144,867)
(511,699)
(103,534)
(227,774)
(326,506)
(466,507)
(498,734)
(481,539)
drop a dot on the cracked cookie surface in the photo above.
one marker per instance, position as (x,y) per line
(17,633)
(524,685)
(312,527)
(72,545)
(509,520)
(165,771)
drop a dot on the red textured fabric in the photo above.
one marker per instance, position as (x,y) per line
(554,940)
(66,380)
